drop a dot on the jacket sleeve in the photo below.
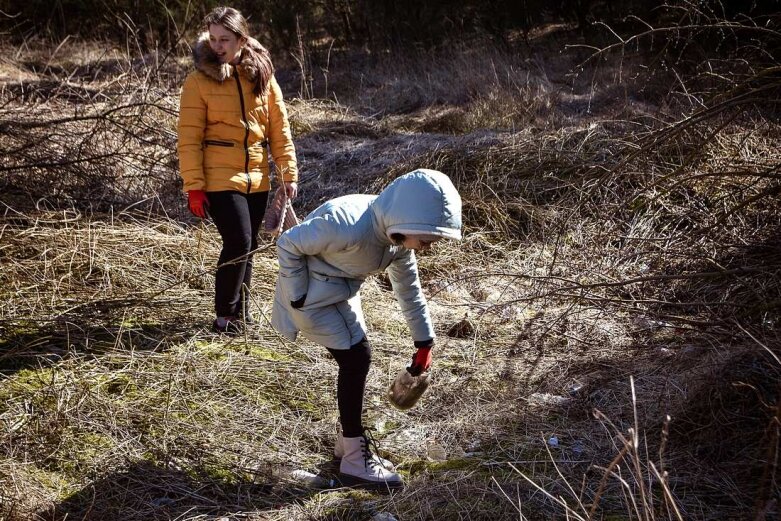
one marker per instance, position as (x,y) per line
(403,274)
(311,237)
(190,129)
(280,137)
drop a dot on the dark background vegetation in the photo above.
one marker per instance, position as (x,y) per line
(376,25)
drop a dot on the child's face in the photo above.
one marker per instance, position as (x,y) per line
(420,242)
(226,45)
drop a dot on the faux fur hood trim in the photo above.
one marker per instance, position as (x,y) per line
(206,61)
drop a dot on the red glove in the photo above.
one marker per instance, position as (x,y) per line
(421,361)
(196,200)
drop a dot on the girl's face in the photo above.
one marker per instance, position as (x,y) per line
(226,45)
(420,242)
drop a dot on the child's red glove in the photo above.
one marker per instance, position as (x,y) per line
(197,202)
(421,361)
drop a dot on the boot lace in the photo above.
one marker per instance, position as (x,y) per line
(369,443)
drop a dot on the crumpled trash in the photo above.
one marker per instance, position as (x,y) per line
(436,452)
(578,447)
(548,399)
(312,480)
(383,516)
(553,441)
(575,387)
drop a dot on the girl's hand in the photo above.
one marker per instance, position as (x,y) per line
(198,203)
(291,189)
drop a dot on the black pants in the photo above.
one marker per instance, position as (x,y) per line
(238,217)
(351,383)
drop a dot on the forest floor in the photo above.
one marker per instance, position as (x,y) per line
(608,332)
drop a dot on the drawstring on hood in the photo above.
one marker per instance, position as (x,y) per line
(422,202)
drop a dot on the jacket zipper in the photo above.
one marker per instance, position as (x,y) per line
(246,129)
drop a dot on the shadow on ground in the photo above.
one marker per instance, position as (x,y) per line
(149,492)
(30,344)
(722,395)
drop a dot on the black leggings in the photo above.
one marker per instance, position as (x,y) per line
(237,216)
(353,368)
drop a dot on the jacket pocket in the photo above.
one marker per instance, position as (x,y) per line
(217,143)
(324,290)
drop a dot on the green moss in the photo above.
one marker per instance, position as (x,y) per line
(29,383)
(119,384)
(200,411)
(211,350)
(268,354)
(392,425)
(357,494)
(22,328)
(78,451)
(32,379)
(219,351)
(138,322)
(310,404)
(219,473)
(437,467)
(458,365)
(454,464)
(350,511)
(56,482)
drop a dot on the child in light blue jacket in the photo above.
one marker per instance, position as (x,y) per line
(322,263)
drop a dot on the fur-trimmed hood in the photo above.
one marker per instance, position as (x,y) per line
(206,61)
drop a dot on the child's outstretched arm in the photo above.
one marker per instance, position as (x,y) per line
(403,274)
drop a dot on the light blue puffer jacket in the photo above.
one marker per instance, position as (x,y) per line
(337,246)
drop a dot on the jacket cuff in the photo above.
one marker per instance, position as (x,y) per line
(193,184)
(298,303)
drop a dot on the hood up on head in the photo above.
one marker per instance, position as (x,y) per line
(420,202)
(206,60)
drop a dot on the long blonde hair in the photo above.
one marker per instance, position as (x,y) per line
(258,56)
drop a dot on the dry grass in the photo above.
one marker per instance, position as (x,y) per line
(621,264)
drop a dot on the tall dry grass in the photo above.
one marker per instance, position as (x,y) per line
(621,256)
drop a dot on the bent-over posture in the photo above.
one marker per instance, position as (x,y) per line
(322,263)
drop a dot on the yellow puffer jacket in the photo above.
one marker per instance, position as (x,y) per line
(225,131)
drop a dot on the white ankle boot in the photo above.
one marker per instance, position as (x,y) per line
(359,466)
(339,454)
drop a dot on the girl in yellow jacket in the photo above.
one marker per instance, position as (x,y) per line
(231,115)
